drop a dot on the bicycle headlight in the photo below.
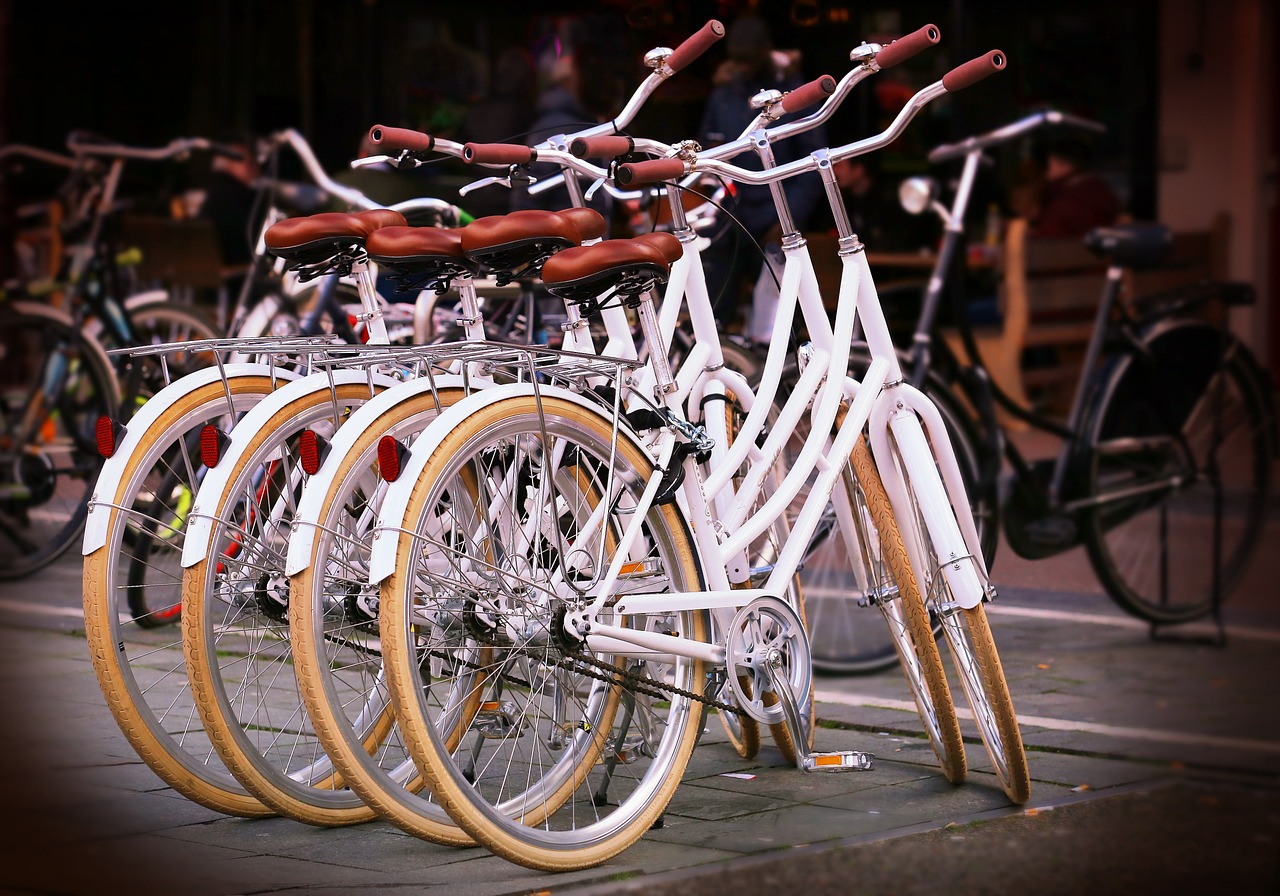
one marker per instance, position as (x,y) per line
(916,194)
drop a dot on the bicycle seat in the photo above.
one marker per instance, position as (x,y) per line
(420,255)
(629,267)
(294,237)
(515,245)
(1130,245)
(670,247)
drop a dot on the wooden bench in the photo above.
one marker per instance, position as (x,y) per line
(1048,298)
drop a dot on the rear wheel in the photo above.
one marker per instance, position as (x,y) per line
(337,651)
(235,608)
(1179,463)
(504,510)
(132,593)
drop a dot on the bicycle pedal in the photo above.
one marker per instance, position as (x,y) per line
(843,761)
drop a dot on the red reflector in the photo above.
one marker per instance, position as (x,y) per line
(109,434)
(312,449)
(212,443)
(391,457)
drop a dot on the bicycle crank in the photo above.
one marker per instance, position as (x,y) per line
(768,649)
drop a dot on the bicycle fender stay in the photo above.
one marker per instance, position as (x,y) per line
(97,524)
(311,504)
(396,501)
(195,546)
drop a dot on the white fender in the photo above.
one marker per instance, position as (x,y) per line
(311,505)
(199,533)
(96,526)
(395,502)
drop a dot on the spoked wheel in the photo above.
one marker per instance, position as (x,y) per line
(132,594)
(903,607)
(54,389)
(1179,468)
(973,651)
(235,610)
(572,755)
(846,639)
(337,648)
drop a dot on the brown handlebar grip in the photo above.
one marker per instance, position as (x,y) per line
(973,71)
(498,154)
(395,139)
(695,45)
(908,45)
(601,147)
(807,95)
(634,173)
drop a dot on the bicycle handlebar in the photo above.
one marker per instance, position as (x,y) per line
(962,76)
(78,146)
(393,139)
(498,154)
(1007,132)
(907,46)
(601,147)
(695,45)
(969,73)
(806,95)
(40,155)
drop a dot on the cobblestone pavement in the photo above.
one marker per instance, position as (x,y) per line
(1154,768)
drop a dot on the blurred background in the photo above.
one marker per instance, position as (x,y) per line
(1185,88)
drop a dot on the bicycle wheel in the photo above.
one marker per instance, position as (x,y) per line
(908,618)
(138,660)
(1178,470)
(54,389)
(844,639)
(976,661)
(235,623)
(506,529)
(333,625)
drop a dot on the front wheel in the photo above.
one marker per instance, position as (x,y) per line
(1178,464)
(972,647)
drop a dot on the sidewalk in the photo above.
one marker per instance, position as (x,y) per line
(86,816)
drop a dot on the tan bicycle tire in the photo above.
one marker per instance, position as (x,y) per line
(204,676)
(455,798)
(950,746)
(307,657)
(106,651)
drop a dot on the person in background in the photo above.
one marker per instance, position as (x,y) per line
(732,261)
(563,108)
(1073,199)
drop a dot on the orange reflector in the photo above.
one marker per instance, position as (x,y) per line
(631,569)
(391,458)
(490,706)
(312,449)
(828,760)
(213,442)
(109,433)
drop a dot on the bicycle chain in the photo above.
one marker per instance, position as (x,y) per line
(633,681)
